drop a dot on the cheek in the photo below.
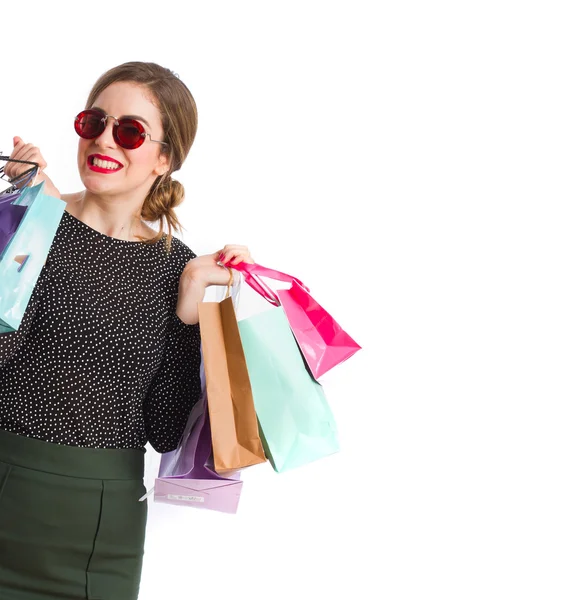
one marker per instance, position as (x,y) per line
(81,155)
(83,147)
(144,159)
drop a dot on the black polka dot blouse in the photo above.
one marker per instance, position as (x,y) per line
(101,359)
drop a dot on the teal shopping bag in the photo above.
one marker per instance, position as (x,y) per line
(24,256)
(296,422)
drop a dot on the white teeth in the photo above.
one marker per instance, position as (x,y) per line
(104,164)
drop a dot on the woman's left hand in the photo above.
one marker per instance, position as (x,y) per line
(207,270)
(203,271)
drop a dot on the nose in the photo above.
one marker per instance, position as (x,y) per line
(106,139)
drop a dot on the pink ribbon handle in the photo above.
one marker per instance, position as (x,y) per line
(253,273)
(261,288)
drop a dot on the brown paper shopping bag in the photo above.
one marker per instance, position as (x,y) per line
(235,438)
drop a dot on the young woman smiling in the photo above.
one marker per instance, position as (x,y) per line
(107,357)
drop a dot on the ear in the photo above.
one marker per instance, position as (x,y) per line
(162,166)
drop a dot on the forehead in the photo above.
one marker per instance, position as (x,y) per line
(125,98)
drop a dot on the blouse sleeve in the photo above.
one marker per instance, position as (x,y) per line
(175,387)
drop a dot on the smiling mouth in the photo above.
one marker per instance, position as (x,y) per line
(102,165)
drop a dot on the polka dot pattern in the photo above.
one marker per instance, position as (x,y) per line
(101,360)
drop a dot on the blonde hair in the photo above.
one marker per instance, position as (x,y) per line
(179,118)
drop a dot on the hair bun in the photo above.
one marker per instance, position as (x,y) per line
(175,192)
(165,195)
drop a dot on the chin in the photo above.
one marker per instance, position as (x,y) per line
(98,185)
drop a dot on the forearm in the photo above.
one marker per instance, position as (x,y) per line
(49,188)
(175,387)
(187,311)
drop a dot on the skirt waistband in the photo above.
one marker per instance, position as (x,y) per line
(71,461)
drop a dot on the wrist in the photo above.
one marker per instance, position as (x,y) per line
(187,319)
(189,296)
(50,188)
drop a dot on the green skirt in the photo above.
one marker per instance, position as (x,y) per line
(71,525)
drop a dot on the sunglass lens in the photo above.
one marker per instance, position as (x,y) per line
(89,124)
(129,134)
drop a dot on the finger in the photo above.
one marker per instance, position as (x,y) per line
(226,256)
(218,257)
(232,250)
(238,248)
(15,151)
(11,169)
(33,155)
(237,259)
(14,170)
(29,152)
(18,144)
(20,151)
(234,258)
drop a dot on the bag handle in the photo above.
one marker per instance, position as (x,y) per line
(262,288)
(252,274)
(24,178)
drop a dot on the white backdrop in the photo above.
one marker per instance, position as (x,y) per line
(414,163)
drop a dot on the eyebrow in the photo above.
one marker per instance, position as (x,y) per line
(136,117)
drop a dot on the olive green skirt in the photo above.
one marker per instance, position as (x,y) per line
(71,525)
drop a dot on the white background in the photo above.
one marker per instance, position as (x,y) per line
(414,163)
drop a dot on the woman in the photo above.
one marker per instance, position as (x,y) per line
(108,353)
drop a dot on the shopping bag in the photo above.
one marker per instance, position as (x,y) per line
(296,422)
(11,216)
(322,340)
(26,249)
(185,476)
(235,437)
(11,213)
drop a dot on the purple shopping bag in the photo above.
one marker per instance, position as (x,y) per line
(186,476)
(11,215)
(10,218)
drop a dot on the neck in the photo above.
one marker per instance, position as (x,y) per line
(109,215)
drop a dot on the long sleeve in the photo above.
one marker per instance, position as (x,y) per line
(175,387)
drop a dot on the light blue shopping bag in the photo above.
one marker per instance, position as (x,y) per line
(296,423)
(23,258)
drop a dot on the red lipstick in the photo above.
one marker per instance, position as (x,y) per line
(90,164)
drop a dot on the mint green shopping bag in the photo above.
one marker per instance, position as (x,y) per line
(296,422)
(23,258)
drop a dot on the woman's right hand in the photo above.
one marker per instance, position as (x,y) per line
(31,153)
(23,151)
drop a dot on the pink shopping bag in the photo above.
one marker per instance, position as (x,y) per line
(323,342)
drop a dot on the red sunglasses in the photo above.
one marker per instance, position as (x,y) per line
(127,133)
